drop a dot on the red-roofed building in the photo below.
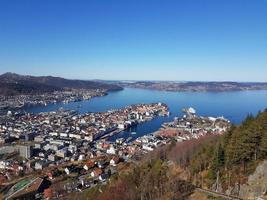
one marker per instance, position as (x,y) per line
(96,172)
(114,161)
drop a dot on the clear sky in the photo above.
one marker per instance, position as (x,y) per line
(135,39)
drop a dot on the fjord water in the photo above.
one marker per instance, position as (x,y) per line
(232,105)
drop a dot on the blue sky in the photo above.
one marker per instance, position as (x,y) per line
(135,39)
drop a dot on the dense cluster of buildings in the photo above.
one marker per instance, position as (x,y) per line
(193,126)
(70,151)
(42,141)
(19,101)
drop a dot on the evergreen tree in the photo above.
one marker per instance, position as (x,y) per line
(217,161)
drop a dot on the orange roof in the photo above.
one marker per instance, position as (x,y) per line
(116,159)
(90,163)
(105,145)
(97,171)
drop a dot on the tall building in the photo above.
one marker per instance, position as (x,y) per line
(25,151)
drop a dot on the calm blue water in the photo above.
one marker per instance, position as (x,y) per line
(232,105)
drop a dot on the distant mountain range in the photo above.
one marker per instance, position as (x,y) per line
(15,84)
(194,86)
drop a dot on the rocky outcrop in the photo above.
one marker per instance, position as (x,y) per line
(256,186)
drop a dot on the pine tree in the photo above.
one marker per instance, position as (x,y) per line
(217,161)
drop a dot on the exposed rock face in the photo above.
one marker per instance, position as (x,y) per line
(234,191)
(256,186)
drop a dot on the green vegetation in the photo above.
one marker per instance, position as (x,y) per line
(235,155)
(21,184)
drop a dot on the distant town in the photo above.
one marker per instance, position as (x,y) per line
(18,102)
(19,91)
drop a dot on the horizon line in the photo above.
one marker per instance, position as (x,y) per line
(134,80)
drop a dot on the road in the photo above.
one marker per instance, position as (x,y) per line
(216,194)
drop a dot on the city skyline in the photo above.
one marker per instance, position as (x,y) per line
(136,40)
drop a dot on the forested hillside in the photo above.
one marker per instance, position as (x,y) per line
(224,163)
(237,153)
(15,84)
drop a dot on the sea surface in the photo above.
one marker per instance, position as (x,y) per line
(234,106)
